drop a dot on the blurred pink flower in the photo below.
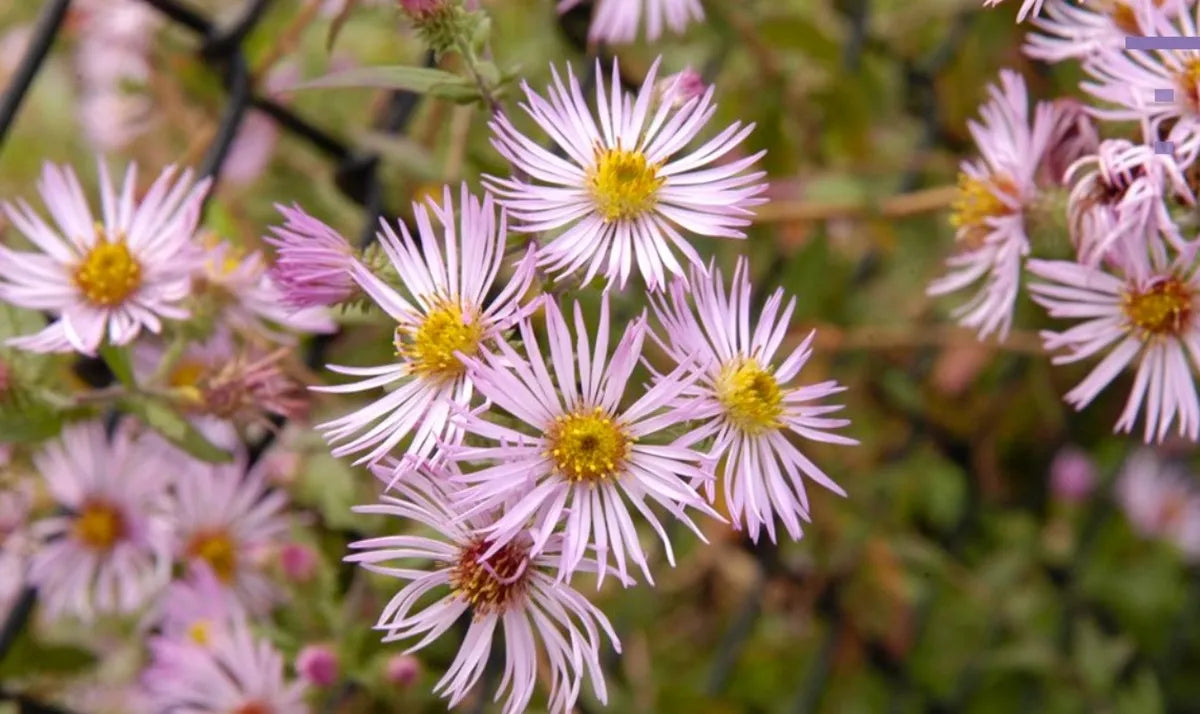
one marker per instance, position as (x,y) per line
(16,541)
(109,550)
(104,280)
(317,664)
(1072,474)
(193,607)
(225,515)
(1160,501)
(622,193)
(252,301)
(745,402)
(618,21)
(112,62)
(231,671)
(990,211)
(298,562)
(507,588)
(402,670)
(256,140)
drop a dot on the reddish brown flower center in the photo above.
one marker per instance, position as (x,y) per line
(491,585)
(255,707)
(1164,308)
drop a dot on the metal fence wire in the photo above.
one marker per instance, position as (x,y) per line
(355,173)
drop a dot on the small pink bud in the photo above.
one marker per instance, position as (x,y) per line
(1072,475)
(402,670)
(298,562)
(421,8)
(318,665)
(679,89)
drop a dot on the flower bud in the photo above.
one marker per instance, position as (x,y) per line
(678,89)
(1072,475)
(298,562)
(317,665)
(402,670)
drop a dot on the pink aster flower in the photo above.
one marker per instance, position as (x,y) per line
(1144,313)
(1073,137)
(748,401)
(1073,30)
(312,261)
(508,588)
(109,278)
(618,21)
(113,65)
(990,211)
(1160,501)
(447,312)
(229,518)
(232,671)
(625,192)
(1123,196)
(580,453)
(1128,80)
(193,607)
(109,551)
(251,301)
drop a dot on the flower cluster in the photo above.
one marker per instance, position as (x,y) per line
(1129,283)
(516,428)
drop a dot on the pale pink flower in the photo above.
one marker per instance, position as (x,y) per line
(313,262)
(618,21)
(108,552)
(257,138)
(1128,80)
(232,671)
(579,453)
(106,279)
(990,212)
(1145,314)
(252,302)
(448,311)
(225,517)
(1121,193)
(1073,137)
(507,588)
(746,400)
(1160,500)
(113,65)
(1071,29)
(192,608)
(1028,7)
(626,191)
(16,543)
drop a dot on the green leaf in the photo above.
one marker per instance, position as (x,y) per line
(422,80)
(118,360)
(29,657)
(28,421)
(175,429)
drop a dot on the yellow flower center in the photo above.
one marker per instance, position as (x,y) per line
(978,201)
(492,584)
(587,446)
(109,273)
(432,345)
(623,184)
(1164,309)
(1189,81)
(99,525)
(752,398)
(218,550)
(200,632)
